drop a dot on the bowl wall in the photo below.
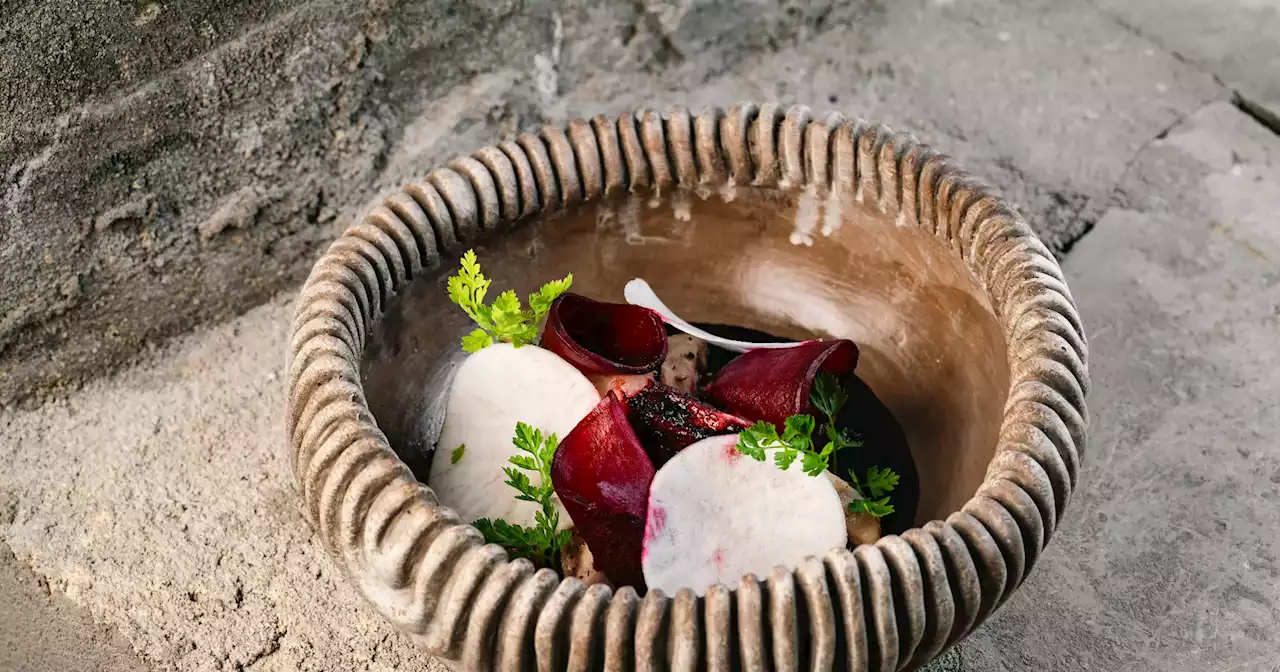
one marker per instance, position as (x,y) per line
(930,345)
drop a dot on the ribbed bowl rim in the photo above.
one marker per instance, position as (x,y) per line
(889,606)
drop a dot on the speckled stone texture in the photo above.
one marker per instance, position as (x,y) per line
(169,163)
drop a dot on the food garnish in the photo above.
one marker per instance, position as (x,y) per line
(875,489)
(796,440)
(599,337)
(668,421)
(602,475)
(505,321)
(773,385)
(456,455)
(543,541)
(714,515)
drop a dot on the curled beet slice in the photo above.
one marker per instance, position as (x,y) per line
(668,421)
(602,476)
(599,337)
(772,385)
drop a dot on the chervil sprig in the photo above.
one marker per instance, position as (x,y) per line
(876,489)
(796,440)
(543,541)
(505,321)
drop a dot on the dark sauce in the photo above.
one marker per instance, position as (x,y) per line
(865,416)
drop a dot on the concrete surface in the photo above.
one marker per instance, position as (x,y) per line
(45,631)
(1235,41)
(166,508)
(157,501)
(1170,558)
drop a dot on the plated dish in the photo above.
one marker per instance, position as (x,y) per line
(617,443)
(825,227)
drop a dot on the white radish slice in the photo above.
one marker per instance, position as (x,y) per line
(493,390)
(638,293)
(716,514)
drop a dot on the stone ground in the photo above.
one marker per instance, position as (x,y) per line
(151,517)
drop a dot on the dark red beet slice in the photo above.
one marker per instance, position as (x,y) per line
(598,337)
(668,421)
(602,476)
(772,385)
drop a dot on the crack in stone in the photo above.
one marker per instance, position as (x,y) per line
(1116,196)
(1268,118)
(1256,111)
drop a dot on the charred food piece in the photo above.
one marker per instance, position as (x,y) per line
(668,421)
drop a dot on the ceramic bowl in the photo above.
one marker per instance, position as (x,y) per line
(758,216)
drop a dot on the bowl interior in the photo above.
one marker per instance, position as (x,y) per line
(931,347)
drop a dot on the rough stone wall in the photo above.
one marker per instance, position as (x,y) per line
(168,163)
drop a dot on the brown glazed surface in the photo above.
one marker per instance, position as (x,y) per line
(931,347)
(967,328)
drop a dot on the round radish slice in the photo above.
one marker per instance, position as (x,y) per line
(493,390)
(715,514)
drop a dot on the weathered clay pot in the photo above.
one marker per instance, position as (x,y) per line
(760,217)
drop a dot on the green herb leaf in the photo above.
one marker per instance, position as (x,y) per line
(524,462)
(457,454)
(841,438)
(797,432)
(814,464)
(785,457)
(756,439)
(543,541)
(505,321)
(468,289)
(504,534)
(795,442)
(541,300)
(881,481)
(477,341)
(878,507)
(827,395)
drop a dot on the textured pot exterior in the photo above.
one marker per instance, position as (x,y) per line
(889,606)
